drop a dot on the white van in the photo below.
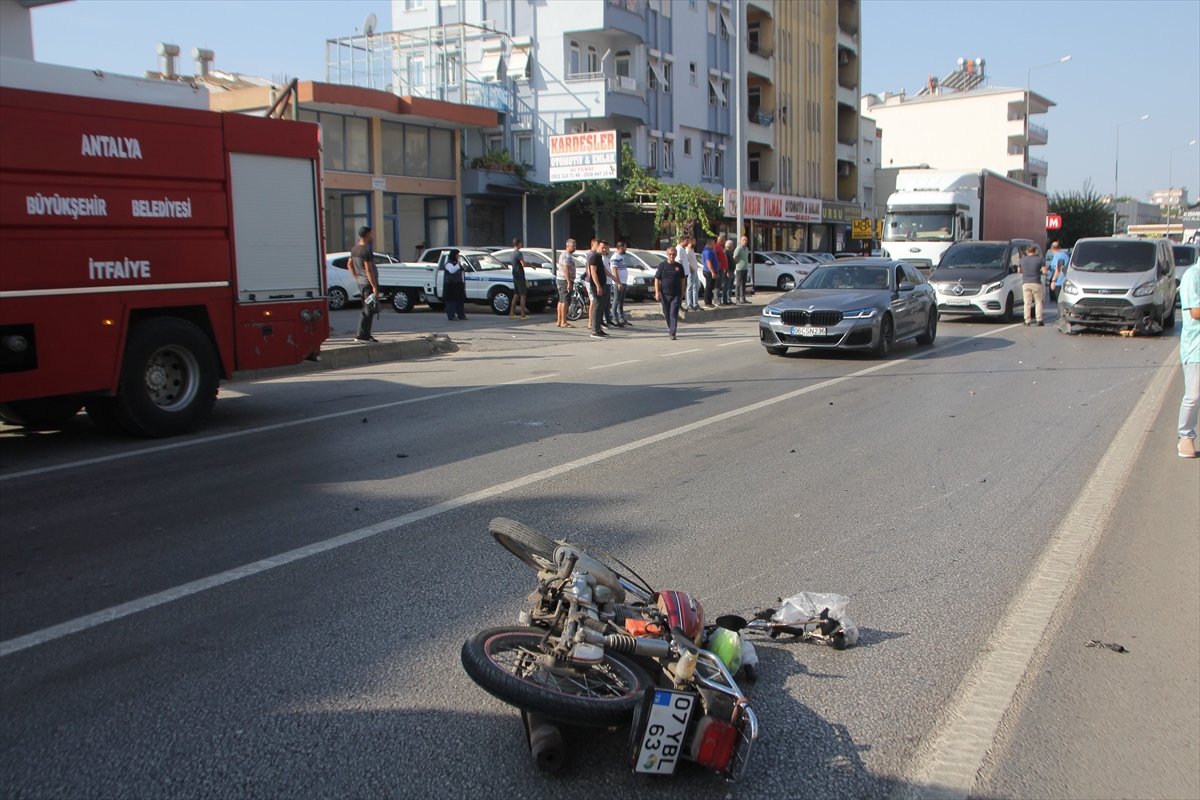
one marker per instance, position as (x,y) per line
(1116,283)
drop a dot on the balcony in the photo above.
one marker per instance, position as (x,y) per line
(1038,134)
(761,186)
(614,16)
(760,117)
(626,85)
(760,50)
(1038,165)
(485,181)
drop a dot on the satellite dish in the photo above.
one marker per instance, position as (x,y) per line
(369,24)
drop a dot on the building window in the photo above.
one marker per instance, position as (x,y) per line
(574,58)
(593,56)
(524,148)
(668,155)
(753,163)
(414,5)
(441,154)
(712,18)
(652,155)
(668,71)
(724,93)
(718,165)
(692,72)
(692,4)
(706,164)
(622,62)
(416,73)
(416,150)
(687,146)
(346,142)
(712,93)
(651,77)
(495,142)
(724,28)
(438,231)
(626,141)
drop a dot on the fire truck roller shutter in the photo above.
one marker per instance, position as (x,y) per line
(275,232)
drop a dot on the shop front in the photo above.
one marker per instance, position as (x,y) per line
(775,221)
(833,234)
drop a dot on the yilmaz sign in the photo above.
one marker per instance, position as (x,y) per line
(590,156)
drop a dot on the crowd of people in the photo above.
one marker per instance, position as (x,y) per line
(718,272)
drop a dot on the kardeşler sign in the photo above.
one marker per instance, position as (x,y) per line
(590,156)
(773,207)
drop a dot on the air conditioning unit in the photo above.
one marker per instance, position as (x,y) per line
(843,169)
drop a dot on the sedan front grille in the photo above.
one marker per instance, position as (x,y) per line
(821,318)
(968,289)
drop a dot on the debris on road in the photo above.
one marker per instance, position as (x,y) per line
(1116,648)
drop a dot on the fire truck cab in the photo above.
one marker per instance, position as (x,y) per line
(149,247)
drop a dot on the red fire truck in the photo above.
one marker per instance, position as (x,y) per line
(146,252)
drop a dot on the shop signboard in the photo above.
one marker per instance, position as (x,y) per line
(840,212)
(862,228)
(589,156)
(767,207)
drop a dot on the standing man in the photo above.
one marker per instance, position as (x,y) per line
(1034,293)
(587,282)
(1057,267)
(741,261)
(727,294)
(599,280)
(520,287)
(712,269)
(687,257)
(362,267)
(1189,355)
(620,275)
(668,289)
(565,278)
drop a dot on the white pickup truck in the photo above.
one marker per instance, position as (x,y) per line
(488,281)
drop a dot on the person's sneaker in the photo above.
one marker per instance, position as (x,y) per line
(1041,324)
(368,339)
(598,335)
(1187,448)
(672,337)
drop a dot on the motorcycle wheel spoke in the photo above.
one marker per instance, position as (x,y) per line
(600,681)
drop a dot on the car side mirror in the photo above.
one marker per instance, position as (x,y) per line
(905,286)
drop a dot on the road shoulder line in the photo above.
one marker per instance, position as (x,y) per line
(957,750)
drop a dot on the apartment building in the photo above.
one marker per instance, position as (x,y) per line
(959,122)
(660,72)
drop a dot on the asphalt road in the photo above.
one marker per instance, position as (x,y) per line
(924,488)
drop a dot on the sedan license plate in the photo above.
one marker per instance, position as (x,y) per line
(659,744)
(808,330)
(957,301)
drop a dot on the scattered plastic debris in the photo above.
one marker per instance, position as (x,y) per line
(1116,648)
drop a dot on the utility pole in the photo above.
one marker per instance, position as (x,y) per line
(740,10)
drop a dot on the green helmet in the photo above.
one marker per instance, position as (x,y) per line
(727,646)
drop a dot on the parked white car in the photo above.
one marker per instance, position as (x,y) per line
(343,289)
(489,281)
(779,271)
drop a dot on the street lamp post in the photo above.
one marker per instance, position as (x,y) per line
(1171,182)
(1117,167)
(1028,91)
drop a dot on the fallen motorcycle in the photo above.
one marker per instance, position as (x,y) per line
(599,646)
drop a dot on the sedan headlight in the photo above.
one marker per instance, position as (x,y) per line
(1070,288)
(993,287)
(772,312)
(1144,290)
(860,313)
(638,281)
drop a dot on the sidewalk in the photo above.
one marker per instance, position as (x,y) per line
(1091,722)
(343,351)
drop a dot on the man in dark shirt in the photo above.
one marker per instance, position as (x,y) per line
(598,276)
(1034,293)
(362,267)
(520,287)
(668,289)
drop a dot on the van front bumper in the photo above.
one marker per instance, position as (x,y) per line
(1105,312)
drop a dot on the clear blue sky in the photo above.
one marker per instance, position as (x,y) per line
(1130,57)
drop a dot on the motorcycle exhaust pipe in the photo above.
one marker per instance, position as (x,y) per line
(638,646)
(545,742)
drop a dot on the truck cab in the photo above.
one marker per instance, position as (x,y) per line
(930,211)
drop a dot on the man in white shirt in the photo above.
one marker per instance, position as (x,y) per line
(565,278)
(620,276)
(685,255)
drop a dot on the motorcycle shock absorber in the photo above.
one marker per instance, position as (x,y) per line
(638,646)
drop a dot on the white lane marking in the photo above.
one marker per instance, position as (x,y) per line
(680,353)
(950,765)
(83,623)
(739,341)
(617,364)
(291,423)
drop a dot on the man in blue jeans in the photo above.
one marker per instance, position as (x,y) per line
(1189,355)
(712,269)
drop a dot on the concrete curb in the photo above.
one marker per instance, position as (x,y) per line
(340,355)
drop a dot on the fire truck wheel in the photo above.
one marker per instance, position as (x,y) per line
(168,379)
(43,413)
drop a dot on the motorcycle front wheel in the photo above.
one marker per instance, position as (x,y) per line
(524,542)
(509,664)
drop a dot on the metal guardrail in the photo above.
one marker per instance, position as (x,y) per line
(760,50)
(1038,129)
(1038,164)
(584,76)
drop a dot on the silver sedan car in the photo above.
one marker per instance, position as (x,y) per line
(855,304)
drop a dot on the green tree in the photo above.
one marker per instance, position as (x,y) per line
(1083,214)
(677,204)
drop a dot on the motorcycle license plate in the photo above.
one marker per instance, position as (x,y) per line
(660,732)
(808,330)
(957,301)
